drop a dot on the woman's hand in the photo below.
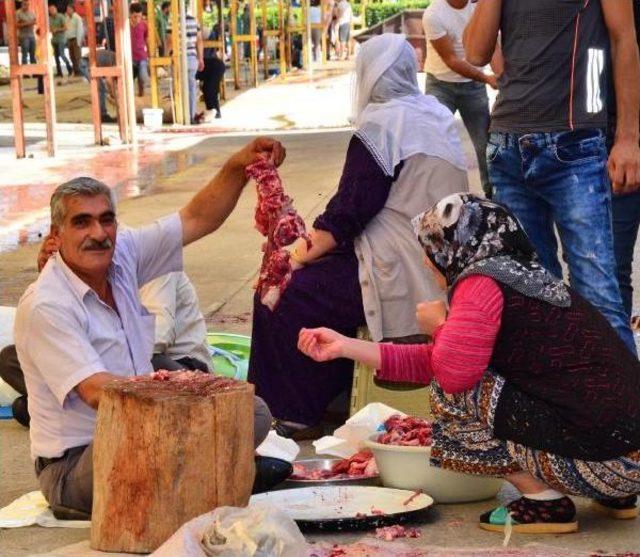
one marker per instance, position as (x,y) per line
(430,315)
(322,345)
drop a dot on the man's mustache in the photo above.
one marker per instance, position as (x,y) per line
(95,245)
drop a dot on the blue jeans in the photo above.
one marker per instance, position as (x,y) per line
(141,73)
(471,100)
(28,49)
(561,179)
(194,93)
(59,54)
(626,220)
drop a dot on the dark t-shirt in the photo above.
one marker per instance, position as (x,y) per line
(555,62)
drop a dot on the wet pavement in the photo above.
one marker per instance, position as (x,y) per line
(26,185)
(24,203)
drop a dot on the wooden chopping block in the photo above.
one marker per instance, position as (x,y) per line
(166,451)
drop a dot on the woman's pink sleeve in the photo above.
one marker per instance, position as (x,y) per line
(462,347)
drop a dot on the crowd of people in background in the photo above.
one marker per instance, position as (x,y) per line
(67,21)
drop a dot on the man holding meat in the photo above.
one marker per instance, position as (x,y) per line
(81,324)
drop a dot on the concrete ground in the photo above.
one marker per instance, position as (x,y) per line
(159,178)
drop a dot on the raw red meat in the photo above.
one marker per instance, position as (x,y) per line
(407,431)
(277,220)
(301,472)
(390,533)
(361,464)
(162,382)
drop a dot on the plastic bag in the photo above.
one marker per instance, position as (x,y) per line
(347,439)
(254,531)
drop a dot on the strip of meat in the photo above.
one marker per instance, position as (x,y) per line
(415,494)
(276,219)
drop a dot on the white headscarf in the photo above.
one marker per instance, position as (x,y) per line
(393,118)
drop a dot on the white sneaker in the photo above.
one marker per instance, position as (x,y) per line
(209,116)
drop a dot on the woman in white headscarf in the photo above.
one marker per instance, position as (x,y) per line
(364,266)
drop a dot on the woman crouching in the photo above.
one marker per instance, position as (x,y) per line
(529,381)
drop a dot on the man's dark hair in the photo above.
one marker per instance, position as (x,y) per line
(165,5)
(135,8)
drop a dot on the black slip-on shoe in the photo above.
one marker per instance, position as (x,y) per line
(270,472)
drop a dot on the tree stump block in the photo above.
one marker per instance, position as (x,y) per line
(167,448)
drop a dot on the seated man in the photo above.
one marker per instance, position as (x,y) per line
(81,324)
(181,333)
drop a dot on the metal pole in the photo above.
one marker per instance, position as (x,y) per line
(307,37)
(183,59)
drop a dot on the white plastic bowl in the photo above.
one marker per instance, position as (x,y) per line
(409,468)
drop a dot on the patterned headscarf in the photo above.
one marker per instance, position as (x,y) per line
(466,235)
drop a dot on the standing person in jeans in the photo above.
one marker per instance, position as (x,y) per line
(457,84)
(75,34)
(58,27)
(547,154)
(626,213)
(344,15)
(26,22)
(195,60)
(139,49)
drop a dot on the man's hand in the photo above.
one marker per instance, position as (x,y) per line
(624,160)
(200,65)
(430,315)
(492,81)
(90,389)
(47,249)
(321,345)
(261,148)
(624,167)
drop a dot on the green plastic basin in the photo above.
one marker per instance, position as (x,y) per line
(230,354)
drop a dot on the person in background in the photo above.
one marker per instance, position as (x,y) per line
(106,58)
(547,153)
(344,15)
(315,18)
(58,28)
(363,266)
(195,60)
(26,22)
(75,38)
(80,7)
(139,47)
(211,77)
(181,332)
(109,30)
(329,23)
(162,22)
(529,382)
(458,85)
(626,211)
